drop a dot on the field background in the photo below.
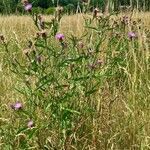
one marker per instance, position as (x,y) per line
(124,121)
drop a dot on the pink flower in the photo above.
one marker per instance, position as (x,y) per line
(131,35)
(16,106)
(30,124)
(59,36)
(28,7)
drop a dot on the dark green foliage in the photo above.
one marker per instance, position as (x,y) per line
(13,6)
(49,11)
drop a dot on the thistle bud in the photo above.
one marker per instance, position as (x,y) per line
(38,34)
(59,11)
(44,34)
(95,12)
(30,124)
(24,2)
(2,38)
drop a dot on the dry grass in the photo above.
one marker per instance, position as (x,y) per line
(23,26)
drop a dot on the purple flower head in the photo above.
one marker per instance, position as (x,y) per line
(28,7)
(30,124)
(16,106)
(131,35)
(59,36)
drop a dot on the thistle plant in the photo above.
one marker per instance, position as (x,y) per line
(60,77)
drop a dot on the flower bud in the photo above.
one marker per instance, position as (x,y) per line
(2,39)
(44,34)
(95,12)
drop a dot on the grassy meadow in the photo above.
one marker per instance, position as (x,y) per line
(88,90)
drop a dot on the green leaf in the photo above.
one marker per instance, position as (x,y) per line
(32,132)
(22,130)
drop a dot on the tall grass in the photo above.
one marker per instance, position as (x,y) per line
(91,94)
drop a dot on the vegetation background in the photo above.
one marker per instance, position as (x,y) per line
(14,6)
(78,81)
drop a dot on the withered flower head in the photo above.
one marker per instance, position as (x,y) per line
(44,34)
(2,38)
(95,12)
(59,9)
(40,17)
(38,34)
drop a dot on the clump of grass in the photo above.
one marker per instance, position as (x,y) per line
(86,90)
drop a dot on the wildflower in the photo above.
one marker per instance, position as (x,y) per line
(131,35)
(95,12)
(60,36)
(16,106)
(2,38)
(30,124)
(28,7)
(24,2)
